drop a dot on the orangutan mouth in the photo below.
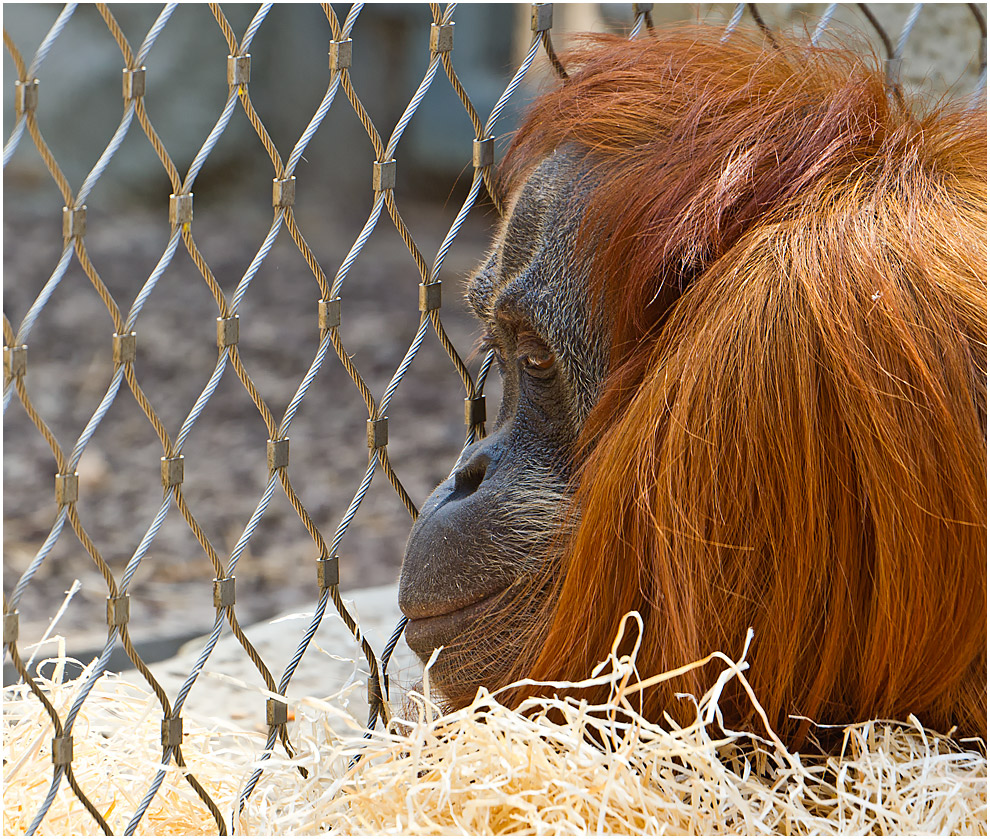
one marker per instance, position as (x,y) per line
(424,635)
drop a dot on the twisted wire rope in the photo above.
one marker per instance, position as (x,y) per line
(157,523)
(643,18)
(472,387)
(31,72)
(909,23)
(734,21)
(823,23)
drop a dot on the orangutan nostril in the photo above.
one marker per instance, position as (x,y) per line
(468,478)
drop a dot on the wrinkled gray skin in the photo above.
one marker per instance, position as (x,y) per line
(486,530)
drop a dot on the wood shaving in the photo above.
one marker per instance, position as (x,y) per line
(558,768)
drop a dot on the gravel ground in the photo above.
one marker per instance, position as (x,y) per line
(225,455)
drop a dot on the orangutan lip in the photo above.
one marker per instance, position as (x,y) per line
(423,635)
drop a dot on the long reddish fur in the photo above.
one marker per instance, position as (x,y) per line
(793,434)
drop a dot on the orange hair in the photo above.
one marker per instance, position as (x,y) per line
(793,434)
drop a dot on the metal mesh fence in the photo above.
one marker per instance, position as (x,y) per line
(330,286)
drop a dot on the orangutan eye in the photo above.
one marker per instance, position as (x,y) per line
(536,357)
(539,362)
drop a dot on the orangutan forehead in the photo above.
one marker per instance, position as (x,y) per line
(540,215)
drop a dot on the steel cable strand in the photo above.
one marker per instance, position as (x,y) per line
(225,27)
(558,68)
(451,351)
(117,33)
(892,71)
(352,371)
(154,32)
(30,73)
(392,641)
(730,27)
(253,392)
(445,246)
(252,525)
(167,751)
(94,676)
(462,94)
(16,56)
(909,23)
(39,558)
(359,243)
(148,410)
(304,386)
(266,752)
(479,129)
(49,41)
(21,68)
(304,642)
(105,158)
(642,17)
(884,37)
(301,648)
(142,114)
(87,265)
(15,138)
(255,265)
(511,87)
(455,227)
(204,397)
(314,124)
(51,164)
(244,97)
(761,23)
(210,143)
(204,541)
(152,281)
(60,521)
(205,272)
(126,640)
(403,365)
(27,324)
(412,107)
(239,292)
(77,703)
(239,547)
(338,536)
(294,158)
(393,479)
(252,29)
(96,419)
(823,23)
(22,671)
(40,424)
(304,516)
(303,247)
(218,624)
(158,146)
(468,205)
(349,20)
(389,154)
(352,507)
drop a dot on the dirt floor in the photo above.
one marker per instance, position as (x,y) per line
(120,491)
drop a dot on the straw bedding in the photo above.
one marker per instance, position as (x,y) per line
(560,768)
